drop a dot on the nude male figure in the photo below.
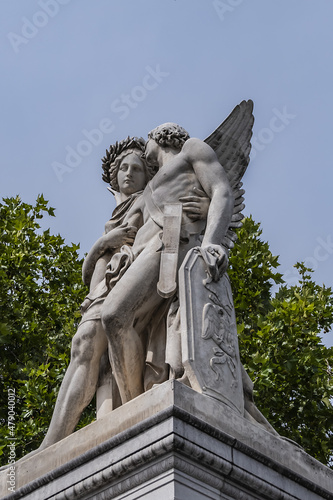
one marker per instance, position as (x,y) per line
(184,164)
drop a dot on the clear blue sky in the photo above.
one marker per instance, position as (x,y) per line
(70,67)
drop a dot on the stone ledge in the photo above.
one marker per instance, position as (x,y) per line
(172,431)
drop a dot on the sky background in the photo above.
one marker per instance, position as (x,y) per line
(77,75)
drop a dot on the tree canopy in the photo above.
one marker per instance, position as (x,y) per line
(279,335)
(280,341)
(40,291)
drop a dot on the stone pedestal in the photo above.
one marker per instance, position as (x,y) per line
(171,443)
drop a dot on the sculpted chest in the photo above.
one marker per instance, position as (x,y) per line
(172,181)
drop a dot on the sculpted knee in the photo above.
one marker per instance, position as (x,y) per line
(112,321)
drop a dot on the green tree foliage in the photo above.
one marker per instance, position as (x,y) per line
(280,344)
(279,336)
(40,293)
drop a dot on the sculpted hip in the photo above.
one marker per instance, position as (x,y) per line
(147,236)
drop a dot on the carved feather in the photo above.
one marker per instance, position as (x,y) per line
(231,143)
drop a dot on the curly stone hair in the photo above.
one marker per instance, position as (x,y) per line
(169,135)
(114,156)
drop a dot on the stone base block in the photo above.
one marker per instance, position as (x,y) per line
(171,443)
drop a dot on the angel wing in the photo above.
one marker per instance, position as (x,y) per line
(231,143)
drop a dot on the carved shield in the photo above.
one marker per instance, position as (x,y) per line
(209,333)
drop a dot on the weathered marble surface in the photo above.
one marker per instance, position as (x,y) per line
(172,442)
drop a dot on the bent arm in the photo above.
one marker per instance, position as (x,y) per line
(99,249)
(99,271)
(106,245)
(110,241)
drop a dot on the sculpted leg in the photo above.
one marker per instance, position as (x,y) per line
(80,381)
(127,359)
(125,314)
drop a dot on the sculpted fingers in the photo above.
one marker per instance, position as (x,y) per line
(199,192)
(188,207)
(121,235)
(185,199)
(220,255)
(193,211)
(129,233)
(196,207)
(131,230)
(216,251)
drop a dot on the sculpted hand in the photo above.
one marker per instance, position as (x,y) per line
(196,206)
(122,235)
(216,258)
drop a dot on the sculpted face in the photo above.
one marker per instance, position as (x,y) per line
(151,152)
(131,175)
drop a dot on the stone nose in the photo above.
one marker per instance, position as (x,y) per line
(129,173)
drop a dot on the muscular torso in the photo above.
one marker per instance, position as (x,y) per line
(173,181)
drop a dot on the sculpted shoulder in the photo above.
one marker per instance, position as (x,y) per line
(196,149)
